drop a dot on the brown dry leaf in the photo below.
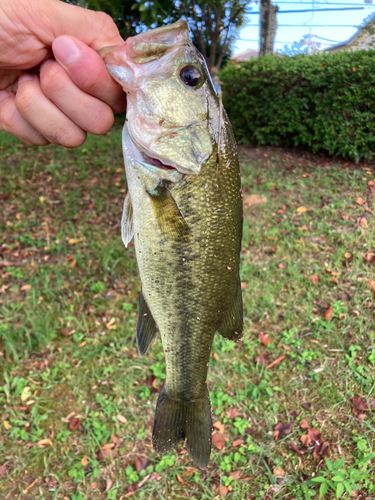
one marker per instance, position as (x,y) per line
(235,474)
(278,471)
(277,360)
(345,217)
(295,448)
(243,285)
(372,287)
(360,201)
(232,413)
(84,461)
(314,279)
(237,442)
(6,425)
(316,451)
(25,287)
(281,430)
(219,426)
(334,280)
(218,440)
(180,480)
(73,263)
(304,424)
(42,442)
(107,453)
(371,184)
(314,435)
(324,449)
(363,223)
(223,490)
(3,471)
(305,439)
(108,484)
(307,406)
(74,424)
(141,463)
(301,210)
(328,313)
(281,266)
(121,419)
(254,199)
(369,257)
(264,339)
(359,405)
(262,359)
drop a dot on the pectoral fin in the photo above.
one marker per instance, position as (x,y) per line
(232,326)
(171,222)
(146,327)
(127,231)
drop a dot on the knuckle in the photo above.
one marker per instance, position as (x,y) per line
(68,138)
(25,97)
(52,80)
(8,113)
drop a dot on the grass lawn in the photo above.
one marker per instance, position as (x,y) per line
(77,402)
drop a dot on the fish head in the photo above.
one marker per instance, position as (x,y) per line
(169,93)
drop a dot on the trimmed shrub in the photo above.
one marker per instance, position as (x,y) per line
(325,102)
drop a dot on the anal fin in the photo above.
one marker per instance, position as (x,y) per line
(232,326)
(127,231)
(146,327)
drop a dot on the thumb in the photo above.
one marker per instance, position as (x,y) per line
(95,29)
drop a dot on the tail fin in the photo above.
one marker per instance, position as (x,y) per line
(175,421)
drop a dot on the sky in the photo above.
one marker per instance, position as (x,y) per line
(338,25)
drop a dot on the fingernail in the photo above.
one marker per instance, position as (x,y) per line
(26,77)
(66,51)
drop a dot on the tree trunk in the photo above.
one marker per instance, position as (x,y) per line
(268,26)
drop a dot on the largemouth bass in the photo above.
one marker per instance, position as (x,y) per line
(184,210)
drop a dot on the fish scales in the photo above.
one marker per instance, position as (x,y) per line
(184,208)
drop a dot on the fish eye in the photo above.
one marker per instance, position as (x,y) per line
(190,75)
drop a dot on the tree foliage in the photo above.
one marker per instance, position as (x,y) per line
(213,23)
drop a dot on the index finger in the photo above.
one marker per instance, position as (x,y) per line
(88,71)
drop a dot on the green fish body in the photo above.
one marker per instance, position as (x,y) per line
(184,210)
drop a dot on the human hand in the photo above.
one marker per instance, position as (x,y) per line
(55,100)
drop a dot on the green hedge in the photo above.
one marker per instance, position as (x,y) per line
(325,102)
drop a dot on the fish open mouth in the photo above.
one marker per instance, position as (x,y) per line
(156,162)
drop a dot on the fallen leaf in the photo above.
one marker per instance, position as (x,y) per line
(254,199)
(281,266)
(108,484)
(324,449)
(316,451)
(371,184)
(232,413)
(314,435)
(141,463)
(304,424)
(218,425)
(369,257)
(237,442)
(307,406)
(218,440)
(360,201)
(73,263)
(84,461)
(278,471)
(334,280)
(372,287)
(295,448)
(74,424)
(277,360)
(26,394)
(235,474)
(262,359)
(363,223)
(359,405)
(328,313)
(121,419)
(301,210)
(305,440)
(314,279)
(107,453)
(223,490)
(3,471)
(25,287)
(6,425)
(42,442)
(264,339)
(281,430)
(180,480)
(345,217)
